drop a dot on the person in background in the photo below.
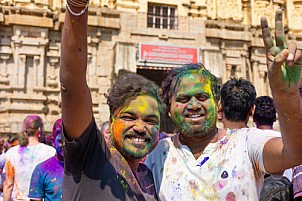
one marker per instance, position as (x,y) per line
(14,142)
(8,138)
(2,164)
(46,180)
(265,113)
(105,131)
(297,183)
(4,146)
(237,103)
(22,159)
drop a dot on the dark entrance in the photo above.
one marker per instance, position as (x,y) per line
(158,76)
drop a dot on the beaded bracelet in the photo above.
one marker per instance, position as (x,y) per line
(77,3)
(77,14)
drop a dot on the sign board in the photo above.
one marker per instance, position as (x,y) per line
(168,53)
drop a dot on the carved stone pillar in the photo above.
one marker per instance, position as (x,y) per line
(296,15)
(21,70)
(263,80)
(228,71)
(246,12)
(36,71)
(297,3)
(3,69)
(238,71)
(52,80)
(255,65)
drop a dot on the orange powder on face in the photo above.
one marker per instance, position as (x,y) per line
(117,129)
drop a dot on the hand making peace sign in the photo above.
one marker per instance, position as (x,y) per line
(284,62)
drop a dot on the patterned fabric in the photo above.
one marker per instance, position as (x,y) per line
(277,189)
(46,180)
(22,161)
(230,169)
(297,181)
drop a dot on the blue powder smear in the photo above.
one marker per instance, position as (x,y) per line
(203,161)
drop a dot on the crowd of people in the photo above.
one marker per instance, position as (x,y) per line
(32,169)
(125,160)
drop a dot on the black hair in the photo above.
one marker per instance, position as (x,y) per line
(127,87)
(237,99)
(265,113)
(9,136)
(171,82)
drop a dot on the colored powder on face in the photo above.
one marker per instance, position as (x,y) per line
(117,130)
(143,106)
(192,85)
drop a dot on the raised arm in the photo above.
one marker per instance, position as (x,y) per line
(285,74)
(76,97)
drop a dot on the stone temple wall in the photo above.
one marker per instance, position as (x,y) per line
(226,32)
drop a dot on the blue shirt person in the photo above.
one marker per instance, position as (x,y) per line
(46,180)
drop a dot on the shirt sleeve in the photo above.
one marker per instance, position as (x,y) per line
(36,189)
(256,139)
(86,153)
(8,165)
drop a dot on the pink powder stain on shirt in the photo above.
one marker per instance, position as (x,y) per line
(174,160)
(220,184)
(230,197)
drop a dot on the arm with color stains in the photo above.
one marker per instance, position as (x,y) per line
(9,182)
(285,74)
(76,97)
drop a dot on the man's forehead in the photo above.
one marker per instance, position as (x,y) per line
(193,82)
(142,103)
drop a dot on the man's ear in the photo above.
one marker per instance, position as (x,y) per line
(220,111)
(108,130)
(220,106)
(252,110)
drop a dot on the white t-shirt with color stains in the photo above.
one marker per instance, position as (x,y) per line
(230,169)
(23,160)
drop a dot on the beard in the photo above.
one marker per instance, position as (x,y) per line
(201,130)
(130,153)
